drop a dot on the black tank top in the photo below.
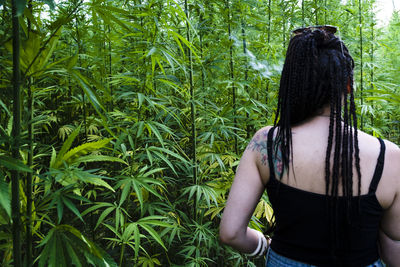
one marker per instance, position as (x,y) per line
(302,230)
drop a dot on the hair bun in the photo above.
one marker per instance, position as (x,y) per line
(319,37)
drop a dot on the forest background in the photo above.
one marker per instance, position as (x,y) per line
(122,122)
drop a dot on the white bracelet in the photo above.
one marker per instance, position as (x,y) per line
(261,246)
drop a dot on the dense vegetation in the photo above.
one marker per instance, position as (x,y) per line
(132,115)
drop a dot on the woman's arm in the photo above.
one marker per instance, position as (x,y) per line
(245,193)
(389,249)
(389,234)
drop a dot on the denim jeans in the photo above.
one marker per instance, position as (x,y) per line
(273,259)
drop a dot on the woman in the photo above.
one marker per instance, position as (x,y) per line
(335,190)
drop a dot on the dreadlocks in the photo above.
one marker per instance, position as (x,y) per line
(318,70)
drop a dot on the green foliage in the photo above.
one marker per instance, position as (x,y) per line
(65,245)
(137,109)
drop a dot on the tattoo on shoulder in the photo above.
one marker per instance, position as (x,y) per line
(259,144)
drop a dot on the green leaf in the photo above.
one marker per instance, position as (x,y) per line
(65,245)
(53,156)
(4,107)
(125,191)
(60,208)
(72,207)
(157,133)
(5,200)
(137,241)
(98,158)
(93,99)
(13,164)
(86,148)
(153,233)
(103,215)
(75,259)
(67,144)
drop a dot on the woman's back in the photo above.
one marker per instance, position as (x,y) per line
(306,230)
(309,151)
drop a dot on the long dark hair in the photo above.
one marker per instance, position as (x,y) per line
(318,70)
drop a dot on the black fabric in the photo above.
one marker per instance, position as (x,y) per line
(302,222)
(379,168)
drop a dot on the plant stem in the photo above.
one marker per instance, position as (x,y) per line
(121,255)
(29,177)
(16,129)
(192,106)
(372,64)
(361,61)
(232,76)
(246,70)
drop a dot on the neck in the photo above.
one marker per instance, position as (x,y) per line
(324,111)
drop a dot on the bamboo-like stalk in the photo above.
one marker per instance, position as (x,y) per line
(361,61)
(192,106)
(268,42)
(201,33)
(372,62)
(284,25)
(121,255)
(232,77)
(78,41)
(110,66)
(269,23)
(16,130)
(29,177)
(29,187)
(316,11)
(246,71)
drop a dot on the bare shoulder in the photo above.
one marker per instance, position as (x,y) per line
(259,141)
(392,148)
(391,169)
(258,147)
(392,153)
(392,161)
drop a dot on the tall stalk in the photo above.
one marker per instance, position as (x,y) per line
(232,76)
(78,41)
(361,60)
(268,43)
(372,60)
(29,187)
(29,176)
(201,33)
(246,73)
(110,66)
(283,5)
(192,106)
(16,130)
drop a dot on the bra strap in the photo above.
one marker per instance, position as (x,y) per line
(269,150)
(378,169)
